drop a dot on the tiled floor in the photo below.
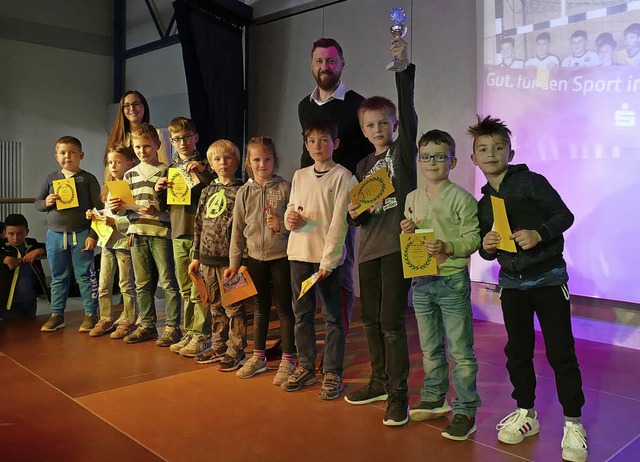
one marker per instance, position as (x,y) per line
(68,397)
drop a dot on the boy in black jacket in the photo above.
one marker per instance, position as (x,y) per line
(532,280)
(21,275)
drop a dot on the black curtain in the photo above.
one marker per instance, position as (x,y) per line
(211,39)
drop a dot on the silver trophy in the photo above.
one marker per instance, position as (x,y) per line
(398,30)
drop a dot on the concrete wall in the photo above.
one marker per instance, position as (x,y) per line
(56,81)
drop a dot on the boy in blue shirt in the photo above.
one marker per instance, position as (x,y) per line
(533,280)
(70,239)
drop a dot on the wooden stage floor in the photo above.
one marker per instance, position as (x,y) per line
(68,397)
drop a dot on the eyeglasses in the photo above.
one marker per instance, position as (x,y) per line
(180,139)
(128,106)
(424,158)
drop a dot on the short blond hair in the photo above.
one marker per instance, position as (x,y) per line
(222,146)
(146,130)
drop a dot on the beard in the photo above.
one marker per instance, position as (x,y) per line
(327,80)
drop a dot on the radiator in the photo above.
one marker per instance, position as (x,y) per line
(10,176)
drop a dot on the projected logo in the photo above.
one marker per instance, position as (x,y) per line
(625,117)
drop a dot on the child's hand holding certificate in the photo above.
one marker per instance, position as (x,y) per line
(178,188)
(67,193)
(371,190)
(416,261)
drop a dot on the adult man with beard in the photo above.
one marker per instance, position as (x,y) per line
(332,100)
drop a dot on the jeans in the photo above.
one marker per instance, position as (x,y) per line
(228,323)
(264,273)
(383,295)
(442,305)
(110,259)
(551,305)
(182,257)
(345,274)
(328,289)
(64,252)
(144,250)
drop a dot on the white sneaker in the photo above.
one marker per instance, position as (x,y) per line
(184,341)
(285,369)
(574,442)
(253,366)
(517,426)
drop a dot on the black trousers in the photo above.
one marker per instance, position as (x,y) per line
(383,295)
(552,307)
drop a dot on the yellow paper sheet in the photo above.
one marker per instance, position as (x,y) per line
(103,230)
(501,225)
(178,191)
(307,284)
(66,189)
(239,288)
(542,77)
(415,259)
(120,190)
(371,190)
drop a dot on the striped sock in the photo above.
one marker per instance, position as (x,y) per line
(260,354)
(288,357)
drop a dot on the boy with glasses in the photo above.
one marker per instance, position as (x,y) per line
(184,137)
(442,303)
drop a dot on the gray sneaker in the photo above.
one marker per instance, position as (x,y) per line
(88,323)
(124,328)
(231,363)
(300,378)
(212,355)
(141,334)
(54,323)
(198,345)
(184,341)
(102,327)
(169,336)
(428,410)
(332,386)
(253,366)
(285,369)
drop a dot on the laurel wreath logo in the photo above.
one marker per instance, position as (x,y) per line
(179,189)
(67,193)
(370,186)
(415,266)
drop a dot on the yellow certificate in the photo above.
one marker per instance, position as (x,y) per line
(178,191)
(103,230)
(66,189)
(415,259)
(371,190)
(120,190)
(307,284)
(501,225)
